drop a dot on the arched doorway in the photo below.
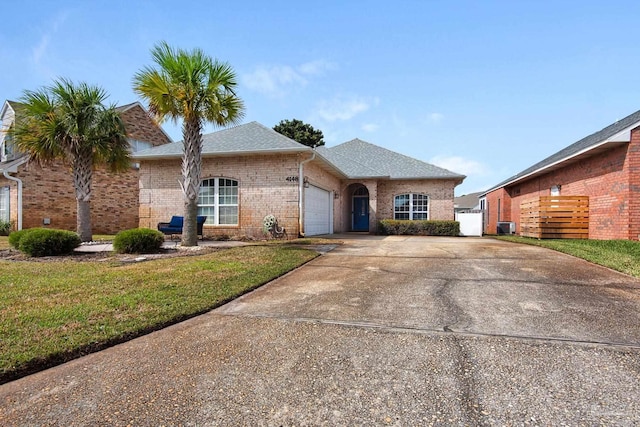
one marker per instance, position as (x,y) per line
(360,209)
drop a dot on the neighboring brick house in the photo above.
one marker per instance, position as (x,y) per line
(604,166)
(43,196)
(250,171)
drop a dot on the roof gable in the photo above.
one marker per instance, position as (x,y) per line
(364,156)
(615,133)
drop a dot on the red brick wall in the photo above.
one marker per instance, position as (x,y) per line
(143,127)
(48,193)
(633,167)
(610,179)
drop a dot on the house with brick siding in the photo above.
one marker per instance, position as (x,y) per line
(605,166)
(43,196)
(250,171)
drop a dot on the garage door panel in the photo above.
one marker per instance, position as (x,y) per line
(317,211)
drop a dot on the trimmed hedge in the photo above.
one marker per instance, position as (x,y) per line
(38,242)
(15,237)
(419,227)
(138,241)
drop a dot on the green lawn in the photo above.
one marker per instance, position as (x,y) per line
(51,312)
(619,255)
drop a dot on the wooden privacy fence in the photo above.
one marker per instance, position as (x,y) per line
(555,217)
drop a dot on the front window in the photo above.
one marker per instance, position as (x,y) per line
(218,200)
(139,145)
(411,206)
(4,204)
(7,147)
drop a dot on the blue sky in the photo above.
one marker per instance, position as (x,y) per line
(483,88)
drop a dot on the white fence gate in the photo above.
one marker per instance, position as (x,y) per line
(470,223)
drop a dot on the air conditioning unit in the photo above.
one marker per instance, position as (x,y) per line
(506,228)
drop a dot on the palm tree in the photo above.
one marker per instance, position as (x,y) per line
(194,87)
(70,122)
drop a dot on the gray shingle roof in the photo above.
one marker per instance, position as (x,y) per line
(468,201)
(369,160)
(348,166)
(243,139)
(354,159)
(580,146)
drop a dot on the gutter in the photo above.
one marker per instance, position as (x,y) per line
(301,193)
(19,181)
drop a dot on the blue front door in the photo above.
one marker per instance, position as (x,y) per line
(360,214)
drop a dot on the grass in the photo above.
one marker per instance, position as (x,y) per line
(619,255)
(51,312)
(4,242)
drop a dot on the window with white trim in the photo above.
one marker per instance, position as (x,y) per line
(7,148)
(411,206)
(218,200)
(4,204)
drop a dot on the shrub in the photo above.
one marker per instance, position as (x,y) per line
(39,242)
(419,228)
(138,241)
(5,228)
(16,236)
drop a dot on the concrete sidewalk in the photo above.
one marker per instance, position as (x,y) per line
(380,331)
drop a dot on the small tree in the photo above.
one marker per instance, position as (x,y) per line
(69,122)
(300,132)
(191,86)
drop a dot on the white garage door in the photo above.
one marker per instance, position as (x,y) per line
(317,211)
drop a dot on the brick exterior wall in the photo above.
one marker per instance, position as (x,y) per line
(611,180)
(48,190)
(440,194)
(264,189)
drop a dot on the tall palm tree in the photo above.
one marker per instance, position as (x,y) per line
(197,89)
(70,122)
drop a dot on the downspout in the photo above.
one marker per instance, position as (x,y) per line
(19,181)
(301,193)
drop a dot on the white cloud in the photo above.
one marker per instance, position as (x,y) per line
(343,108)
(278,80)
(317,67)
(460,165)
(273,80)
(41,49)
(370,127)
(435,117)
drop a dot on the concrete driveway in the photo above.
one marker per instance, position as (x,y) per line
(380,331)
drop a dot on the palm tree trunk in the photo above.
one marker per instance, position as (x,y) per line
(82,177)
(191,169)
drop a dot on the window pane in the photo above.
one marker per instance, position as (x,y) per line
(4,204)
(228,215)
(399,215)
(228,192)
(422,215)
(210,213)
(420,203)
(402,203)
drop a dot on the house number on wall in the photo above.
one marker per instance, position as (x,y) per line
(292,179)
